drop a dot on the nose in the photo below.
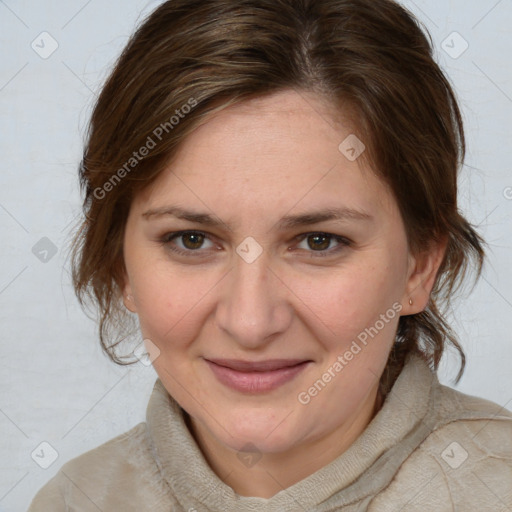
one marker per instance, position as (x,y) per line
(254,307)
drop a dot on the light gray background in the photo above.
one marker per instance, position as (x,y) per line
(56,386)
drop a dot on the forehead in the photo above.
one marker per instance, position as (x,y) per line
(274,151)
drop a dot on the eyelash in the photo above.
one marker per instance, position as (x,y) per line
(169,237)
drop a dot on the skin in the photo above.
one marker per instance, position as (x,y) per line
(249,166)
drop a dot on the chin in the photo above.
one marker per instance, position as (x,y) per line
(267,432)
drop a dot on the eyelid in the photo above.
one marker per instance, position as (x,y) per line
(343,242)
(168,238)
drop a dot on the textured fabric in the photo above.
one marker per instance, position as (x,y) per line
(429,448)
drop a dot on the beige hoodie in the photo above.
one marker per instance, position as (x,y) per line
(429,448)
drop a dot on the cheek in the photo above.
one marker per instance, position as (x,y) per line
(347,300)
(170,304)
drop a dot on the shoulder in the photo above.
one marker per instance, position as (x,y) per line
(120,474)
(465,463)
(485,427)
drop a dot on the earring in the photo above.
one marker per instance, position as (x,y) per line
(129,297)
(410,302)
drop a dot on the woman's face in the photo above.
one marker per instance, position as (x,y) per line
(295,255)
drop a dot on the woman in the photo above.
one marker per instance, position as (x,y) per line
(271,192)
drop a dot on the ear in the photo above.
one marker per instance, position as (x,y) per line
(422,273)
(128,294)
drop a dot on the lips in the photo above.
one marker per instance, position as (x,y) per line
(256,376)
(257,366)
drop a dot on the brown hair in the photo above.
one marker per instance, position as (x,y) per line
(369,55)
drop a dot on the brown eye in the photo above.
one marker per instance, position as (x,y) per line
(187,243)
(319,242)
(323,244)
(192,240)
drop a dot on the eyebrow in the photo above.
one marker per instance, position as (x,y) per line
(287,222)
